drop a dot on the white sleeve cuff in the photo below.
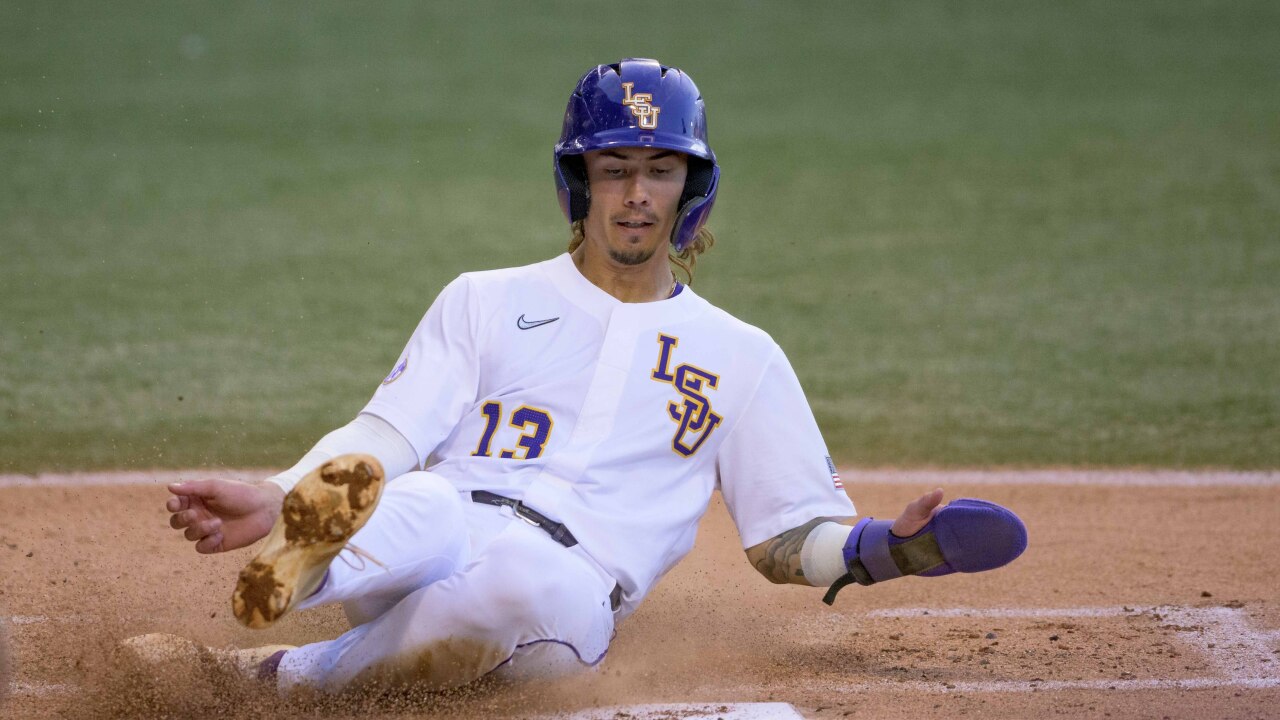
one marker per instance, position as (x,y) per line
(367,434)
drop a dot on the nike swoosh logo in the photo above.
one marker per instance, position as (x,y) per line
(531,324)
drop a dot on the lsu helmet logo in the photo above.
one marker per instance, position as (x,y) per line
(694,418)
(645,113)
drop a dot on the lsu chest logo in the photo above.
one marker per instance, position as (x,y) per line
(694,418)
(645,113)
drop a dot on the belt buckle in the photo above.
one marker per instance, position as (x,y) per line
(520,510)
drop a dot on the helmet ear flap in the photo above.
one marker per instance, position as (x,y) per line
(699,180)
(697,208)
(571,186)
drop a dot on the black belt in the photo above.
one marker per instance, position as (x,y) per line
(557,531)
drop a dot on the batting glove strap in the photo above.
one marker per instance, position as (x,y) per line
(858,572)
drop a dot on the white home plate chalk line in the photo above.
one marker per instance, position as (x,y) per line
(1244,657)
(691,711)
(42,619)
(38,689)
(870,476)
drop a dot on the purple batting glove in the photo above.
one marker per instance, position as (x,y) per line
(966,535)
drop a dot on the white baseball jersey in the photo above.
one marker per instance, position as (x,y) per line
(616,419)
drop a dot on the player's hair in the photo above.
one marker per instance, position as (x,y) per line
(685,259)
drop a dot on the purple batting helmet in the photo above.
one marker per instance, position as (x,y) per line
(638,103)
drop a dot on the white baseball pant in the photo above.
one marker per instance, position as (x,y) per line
(467,590)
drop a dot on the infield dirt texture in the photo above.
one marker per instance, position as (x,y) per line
(998,236)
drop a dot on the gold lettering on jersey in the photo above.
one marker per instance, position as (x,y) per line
(641,107)
(695,419)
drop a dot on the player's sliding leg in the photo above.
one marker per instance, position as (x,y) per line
(523,605)
(966,535)
(319,516)
(418,535)
(162,650)
(414,536)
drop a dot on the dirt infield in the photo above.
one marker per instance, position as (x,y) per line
(1141,595)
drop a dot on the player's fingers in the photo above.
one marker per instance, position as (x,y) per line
(198,488)
(917,514)
(179,520)
(203,529)
(927,504)
(210,544)
(177,503)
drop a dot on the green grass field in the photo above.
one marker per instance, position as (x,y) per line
(987,234)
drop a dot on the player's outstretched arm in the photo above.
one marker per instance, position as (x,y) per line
(781,558)
(928,538)
(221,515)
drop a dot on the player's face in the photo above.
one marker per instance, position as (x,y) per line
(635,195)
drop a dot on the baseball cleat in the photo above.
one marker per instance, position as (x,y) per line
(317,519)
(163,649)
(966,535)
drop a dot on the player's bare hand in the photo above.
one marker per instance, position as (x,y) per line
(221,515)
(917,514)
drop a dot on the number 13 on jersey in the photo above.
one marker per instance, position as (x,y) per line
(534,424)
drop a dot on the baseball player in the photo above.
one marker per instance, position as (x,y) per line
(542,450)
